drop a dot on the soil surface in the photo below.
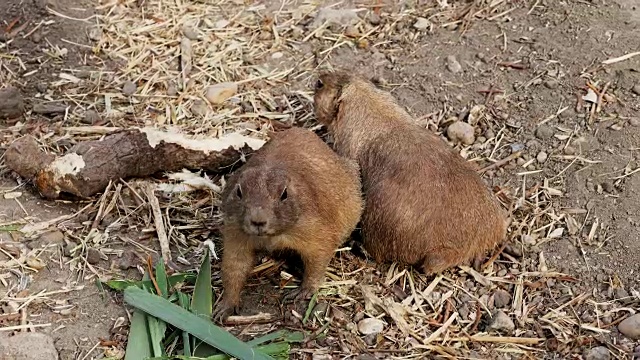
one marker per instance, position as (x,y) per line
(529,74)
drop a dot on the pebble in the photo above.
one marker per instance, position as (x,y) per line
(374,19)
(544,132)
(95,33)
(93,256)
(422,24)
(199,108)
(42,87)
(597,353)
(11,103)
(462,132)
(630,327)
(528,240)
(68,249)
(370,326)
(551,84)
(634,121)
(51,237)
(172,90)
(608,187)
(91,117)
(501,298)
(190,33)
(49,109)
(32,346)
(542,157)
(335,16)
(129,88)
(127,261)
(501,322)
(453,65)
(636,89)
(217,94)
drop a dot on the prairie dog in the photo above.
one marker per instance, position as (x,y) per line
(295,193)
(424,204)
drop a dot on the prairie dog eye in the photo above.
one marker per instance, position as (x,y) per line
(239,192)
(284,195)
(319,84)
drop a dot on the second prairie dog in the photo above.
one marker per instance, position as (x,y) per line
(295,193)
(424,204)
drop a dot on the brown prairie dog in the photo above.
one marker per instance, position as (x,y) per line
(295,193)
(424,204)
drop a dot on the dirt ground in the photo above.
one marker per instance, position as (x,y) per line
(527,69)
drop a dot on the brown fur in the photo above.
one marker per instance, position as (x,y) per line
(424,204)
(322,207)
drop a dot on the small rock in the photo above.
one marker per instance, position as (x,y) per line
(217,94)
(190,33)
(636,89)
(501,322)
(69,249)
(542,157)
(513,250)
(630,327)
(95,33)
(32,346)
(51,237)
(551,84)
(49,109)
(544,132)
(11,104)
(127,261)
(621,293)
(129,88)
(351,32)
(42,87)
(371,339)
(501,298)
(93,256)
(462,132)
(453,65)
(343,17)
(422,24)
(597,353)
(199,108)
(91,117)
(370,326)
(172,90)
(634,121)
(374,19)
(528,240)
(569,150)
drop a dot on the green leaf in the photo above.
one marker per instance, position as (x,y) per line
(195,325)
(161,279)
(312,304)
(202,302)
(139,342)
(120,285)
(183,300)
(9,228)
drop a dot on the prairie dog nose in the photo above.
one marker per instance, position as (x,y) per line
(257,221)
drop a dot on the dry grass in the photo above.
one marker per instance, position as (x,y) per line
(269,58)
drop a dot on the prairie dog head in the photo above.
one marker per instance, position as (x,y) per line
(262,201)
(328,95)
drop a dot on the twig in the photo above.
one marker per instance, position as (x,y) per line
(157,217)
(502,162)
(442,329)
(621,58)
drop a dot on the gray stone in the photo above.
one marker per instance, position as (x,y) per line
(636,89)
(11,104)
(27,346)
(453,65)
(630,327)
(462,132)
(49,109)
(544,132)
(91,117)
(542,157)
(370,326)
(129,88)
(501,322)
(501,298)
(597,353)
(93,256)
(421,24)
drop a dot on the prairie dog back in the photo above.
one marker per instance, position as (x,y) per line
(424,204)
(294,193)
